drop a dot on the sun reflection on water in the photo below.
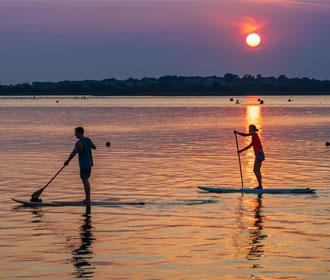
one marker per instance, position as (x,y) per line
(248,240)
(253,116)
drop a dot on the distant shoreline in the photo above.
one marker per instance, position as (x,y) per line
(208,94)
(87,96)
(228,85)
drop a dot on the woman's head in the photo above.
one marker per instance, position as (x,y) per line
(252,128)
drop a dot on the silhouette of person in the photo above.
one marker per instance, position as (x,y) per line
(83,148)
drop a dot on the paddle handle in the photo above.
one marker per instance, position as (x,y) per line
(36,194)
(239,160)
(54,177)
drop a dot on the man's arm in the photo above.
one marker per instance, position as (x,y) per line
(77,147)
(92,145)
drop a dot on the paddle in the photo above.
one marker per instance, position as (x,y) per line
(239,159)
(35,195)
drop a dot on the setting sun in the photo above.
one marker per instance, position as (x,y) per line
(253,40)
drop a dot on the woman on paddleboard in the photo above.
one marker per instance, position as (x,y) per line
(258,151)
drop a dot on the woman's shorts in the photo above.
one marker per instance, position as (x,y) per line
(85,173)
(260,156)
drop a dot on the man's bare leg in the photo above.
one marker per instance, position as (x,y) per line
(87,188)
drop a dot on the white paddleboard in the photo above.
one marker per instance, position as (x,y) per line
(258,191)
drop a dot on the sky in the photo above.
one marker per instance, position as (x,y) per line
(77,40)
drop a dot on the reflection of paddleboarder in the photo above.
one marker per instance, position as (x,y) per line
(83,147)
(258,151)
(256,248)
(82,256)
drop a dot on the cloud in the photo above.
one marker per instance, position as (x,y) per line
(249,25)
(295,3)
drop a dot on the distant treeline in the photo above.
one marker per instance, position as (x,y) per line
(229,84)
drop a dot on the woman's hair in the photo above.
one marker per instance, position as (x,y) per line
(253,127)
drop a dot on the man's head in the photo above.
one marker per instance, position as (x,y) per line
(79,132)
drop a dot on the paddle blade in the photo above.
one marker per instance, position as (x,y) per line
(36,194)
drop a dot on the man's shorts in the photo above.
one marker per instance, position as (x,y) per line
(85,173)
(260,156)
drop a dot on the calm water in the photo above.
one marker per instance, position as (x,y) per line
(161,149)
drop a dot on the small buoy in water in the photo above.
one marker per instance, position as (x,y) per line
(56,101)
(108,144)
(261,102)
(289,100)
(231,99)
(259,99)
(327,144)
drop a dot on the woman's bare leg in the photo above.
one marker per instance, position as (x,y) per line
(256,170)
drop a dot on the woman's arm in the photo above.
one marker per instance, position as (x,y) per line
(246,148)
(241,133)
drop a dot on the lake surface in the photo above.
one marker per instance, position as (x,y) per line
(161,150)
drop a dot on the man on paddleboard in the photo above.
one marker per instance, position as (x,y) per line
(258,151)
(83,147)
